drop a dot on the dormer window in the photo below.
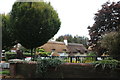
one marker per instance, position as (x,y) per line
(53,50)
(64,50)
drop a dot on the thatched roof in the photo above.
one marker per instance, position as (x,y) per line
(53,45)
(60,47)
(75,48)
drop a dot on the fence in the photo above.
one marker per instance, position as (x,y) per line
(78,59)
(69,59)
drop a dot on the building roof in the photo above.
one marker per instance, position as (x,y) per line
(74,48)
(57,46)
(60,47)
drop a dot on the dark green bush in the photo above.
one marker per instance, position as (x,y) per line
(12,55)
(42,52)
(107,64)
(44,64)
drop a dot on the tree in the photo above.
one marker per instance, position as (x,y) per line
(74,39)
(8,39)
(81,40)
(34,23)
(111,42)
(106,20)
(62,37)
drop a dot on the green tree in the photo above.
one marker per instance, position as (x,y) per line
(67,36)
(81,40)
(106,20)
(8,39)
(34,23)
(73,39)
(111,42)
(60,38)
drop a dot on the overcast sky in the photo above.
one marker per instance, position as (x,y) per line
(75,15)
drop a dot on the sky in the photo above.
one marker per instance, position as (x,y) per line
(75,15)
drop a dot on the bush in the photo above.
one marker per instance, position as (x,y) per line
(42,52)
(90,59)
(12,55)
(44,64)
(107,64)
(7,72)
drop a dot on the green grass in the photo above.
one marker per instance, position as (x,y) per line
(5,72)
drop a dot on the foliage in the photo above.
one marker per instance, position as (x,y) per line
(8,39)
(10,52)
(90,59)
(107,64)
(12,55)
(73,39)
(106,20)
(44,64)
(62,37)
(111,42)
(91,54)
(5,72)
(34,23)
(42,52)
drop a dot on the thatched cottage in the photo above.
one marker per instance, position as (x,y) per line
(64,48)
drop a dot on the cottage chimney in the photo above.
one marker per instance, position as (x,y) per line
(65,40)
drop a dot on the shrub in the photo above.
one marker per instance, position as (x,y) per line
(42,52)
(107,64)
(12,55)
(44,64)
(7,72)
(91,58)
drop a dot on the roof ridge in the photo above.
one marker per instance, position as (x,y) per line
(55,42)
(75,44)
(63,42)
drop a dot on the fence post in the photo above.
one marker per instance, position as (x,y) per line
(76,59)
(70,59)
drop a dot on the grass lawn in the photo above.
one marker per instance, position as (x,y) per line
(7,72)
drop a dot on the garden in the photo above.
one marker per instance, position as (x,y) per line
(63,67)
(39,24)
